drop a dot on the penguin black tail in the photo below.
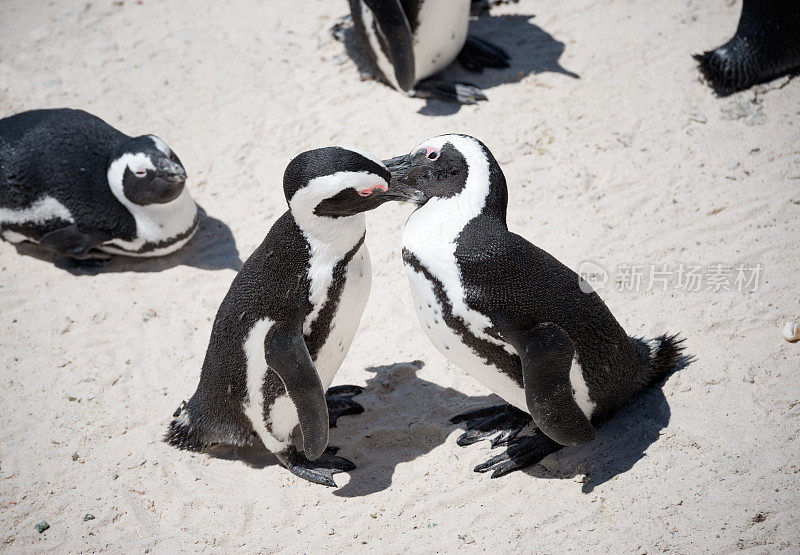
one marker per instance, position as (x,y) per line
(183,433)
(660,357)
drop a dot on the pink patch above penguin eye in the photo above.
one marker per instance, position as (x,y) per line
(430,152)
(369,190)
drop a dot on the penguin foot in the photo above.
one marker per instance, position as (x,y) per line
(478,54)
(340,402)
(448,91)
(503,421)
(525,451)
(320,471)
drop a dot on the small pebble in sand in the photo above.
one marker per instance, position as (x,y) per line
(88,516)
(42,526)
(791,332)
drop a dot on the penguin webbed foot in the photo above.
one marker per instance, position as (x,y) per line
(319,471)
(448,91)
(522,452)
(340,402)
(478,54)
(503,421)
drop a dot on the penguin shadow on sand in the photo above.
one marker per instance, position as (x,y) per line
(213,247)
(532,50)
(406,417)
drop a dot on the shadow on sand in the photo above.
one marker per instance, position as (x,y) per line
(406,417)
(212,248)
(532,50)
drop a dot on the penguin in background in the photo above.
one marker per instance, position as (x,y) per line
(288,319)
(408,42)
(766,45)
(510,314)
(78,187)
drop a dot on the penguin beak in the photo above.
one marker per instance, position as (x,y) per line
(170,172)
(399,189)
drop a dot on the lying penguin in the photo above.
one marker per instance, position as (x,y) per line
(78,187)
(289,317)
(766,45)
(410,41)
(510,314)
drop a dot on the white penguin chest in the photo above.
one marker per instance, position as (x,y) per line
(440,35)
(352,299)
(434,312)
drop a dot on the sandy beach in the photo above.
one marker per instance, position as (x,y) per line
(614,153)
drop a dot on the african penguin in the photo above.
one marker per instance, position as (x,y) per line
(287,322)
(766,45)
(408,41)
(510,314)
(76,186)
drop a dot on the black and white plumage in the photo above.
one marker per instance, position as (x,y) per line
(410,41)
(75,185)
(510,314)
(287,322)
(766,45)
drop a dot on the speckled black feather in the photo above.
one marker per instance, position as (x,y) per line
(64,154)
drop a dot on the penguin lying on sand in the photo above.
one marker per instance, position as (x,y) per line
(408,41)
(766,45)
(510,314)
(289,317)
(78,187)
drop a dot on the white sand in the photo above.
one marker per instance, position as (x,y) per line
(612,167)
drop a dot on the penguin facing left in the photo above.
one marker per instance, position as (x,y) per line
(84,190)
(409,41)
(510,314)
(288,319)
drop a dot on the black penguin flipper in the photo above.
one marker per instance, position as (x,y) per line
(478,54)
(448,91)
(546,352)
(319,471)
(287,355)
(74,243)
(396,32)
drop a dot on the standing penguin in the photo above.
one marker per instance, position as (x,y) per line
(510,314)
(408,41)
(78,187)
(287,322)
(766,45)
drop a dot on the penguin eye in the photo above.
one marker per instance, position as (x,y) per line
(141,172)
(429,152)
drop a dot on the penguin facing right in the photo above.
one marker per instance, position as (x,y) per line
(288,319)
(409,41)
(78,187)
(766,45)
(510,314)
